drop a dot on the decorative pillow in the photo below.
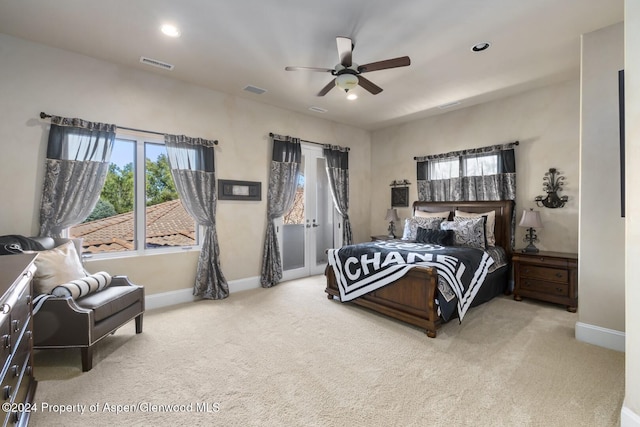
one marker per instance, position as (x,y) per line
(56,266)
(411,226)
(436,237)
(423,214)
(467,232)
(490,226)
(81,287)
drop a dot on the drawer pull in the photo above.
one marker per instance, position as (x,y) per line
(6,339)
(559,289)
(558,274)
(6,308)
(6,392)
(16,325)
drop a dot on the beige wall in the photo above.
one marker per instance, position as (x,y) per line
(38,78)
(601,264)
(632,234)
(545,121)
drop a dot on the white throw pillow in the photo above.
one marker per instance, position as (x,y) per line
(423,214)
(56,266)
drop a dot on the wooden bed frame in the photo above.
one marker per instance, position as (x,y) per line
(411,299)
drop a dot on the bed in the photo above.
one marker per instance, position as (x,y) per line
(414,296)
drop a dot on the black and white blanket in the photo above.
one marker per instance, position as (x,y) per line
(365,267)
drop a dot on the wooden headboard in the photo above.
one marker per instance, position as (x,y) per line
(502,208)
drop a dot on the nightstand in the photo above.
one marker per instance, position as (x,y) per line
(547,276)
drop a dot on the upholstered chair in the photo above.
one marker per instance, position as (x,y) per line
(79,311)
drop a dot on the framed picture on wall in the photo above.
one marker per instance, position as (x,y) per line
(239,190)
(400,197)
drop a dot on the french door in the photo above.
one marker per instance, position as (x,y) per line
(311,226)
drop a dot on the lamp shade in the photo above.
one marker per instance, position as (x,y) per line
(392,215)
(530,219)
(346,81)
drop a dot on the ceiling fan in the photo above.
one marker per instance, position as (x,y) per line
(348,74)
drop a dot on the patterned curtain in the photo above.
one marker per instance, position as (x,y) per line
(283,179)
(78,154)
(487,173)
(337,160)
(192,167)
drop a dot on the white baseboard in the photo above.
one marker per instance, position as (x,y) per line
(628,418)
(180,296)
(603,337)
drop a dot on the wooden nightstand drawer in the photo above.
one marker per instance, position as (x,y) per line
(553,274)
(533,285)
(546,276)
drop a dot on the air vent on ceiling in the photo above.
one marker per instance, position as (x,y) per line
(318,109)
(449,105)
(254,89)
(156,63)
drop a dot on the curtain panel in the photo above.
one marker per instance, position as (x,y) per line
(192,163)
(78,155)
(286,160)
(470,178)
(337,165)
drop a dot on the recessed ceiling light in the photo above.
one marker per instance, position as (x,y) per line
(352,96)
(480,46)
(170,30)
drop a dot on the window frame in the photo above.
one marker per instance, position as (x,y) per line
(462,165)
(140,204)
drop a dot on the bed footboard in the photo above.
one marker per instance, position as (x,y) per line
(410,299)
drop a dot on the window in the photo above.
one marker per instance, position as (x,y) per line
(139,210)
(470,165)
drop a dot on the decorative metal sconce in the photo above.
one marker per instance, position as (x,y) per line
(552,183)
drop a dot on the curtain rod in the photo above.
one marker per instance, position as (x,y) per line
(456,152)
(47,116)
(271,134)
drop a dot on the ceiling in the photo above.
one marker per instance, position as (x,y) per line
(227,45)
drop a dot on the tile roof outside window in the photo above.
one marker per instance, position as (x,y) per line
(168,224)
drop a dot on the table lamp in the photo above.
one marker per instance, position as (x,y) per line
(392,217)
(530,220)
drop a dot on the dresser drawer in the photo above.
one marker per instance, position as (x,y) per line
(20,314)
(5,337)
(544,273)
(533,285)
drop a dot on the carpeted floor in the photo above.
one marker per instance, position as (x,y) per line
(287,356)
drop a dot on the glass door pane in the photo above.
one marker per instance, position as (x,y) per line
(293,228)
(324,214)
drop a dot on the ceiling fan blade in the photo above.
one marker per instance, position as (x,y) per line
(345,48)
(324,70)
(402,61)
(368,85)
(327,88)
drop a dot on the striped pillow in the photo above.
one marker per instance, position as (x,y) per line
(81,287)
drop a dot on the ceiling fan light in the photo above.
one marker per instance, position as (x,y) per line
(346,82)
(352,96)
(170,30)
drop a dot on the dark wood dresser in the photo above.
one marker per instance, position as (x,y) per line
(547,276)
(16,341)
